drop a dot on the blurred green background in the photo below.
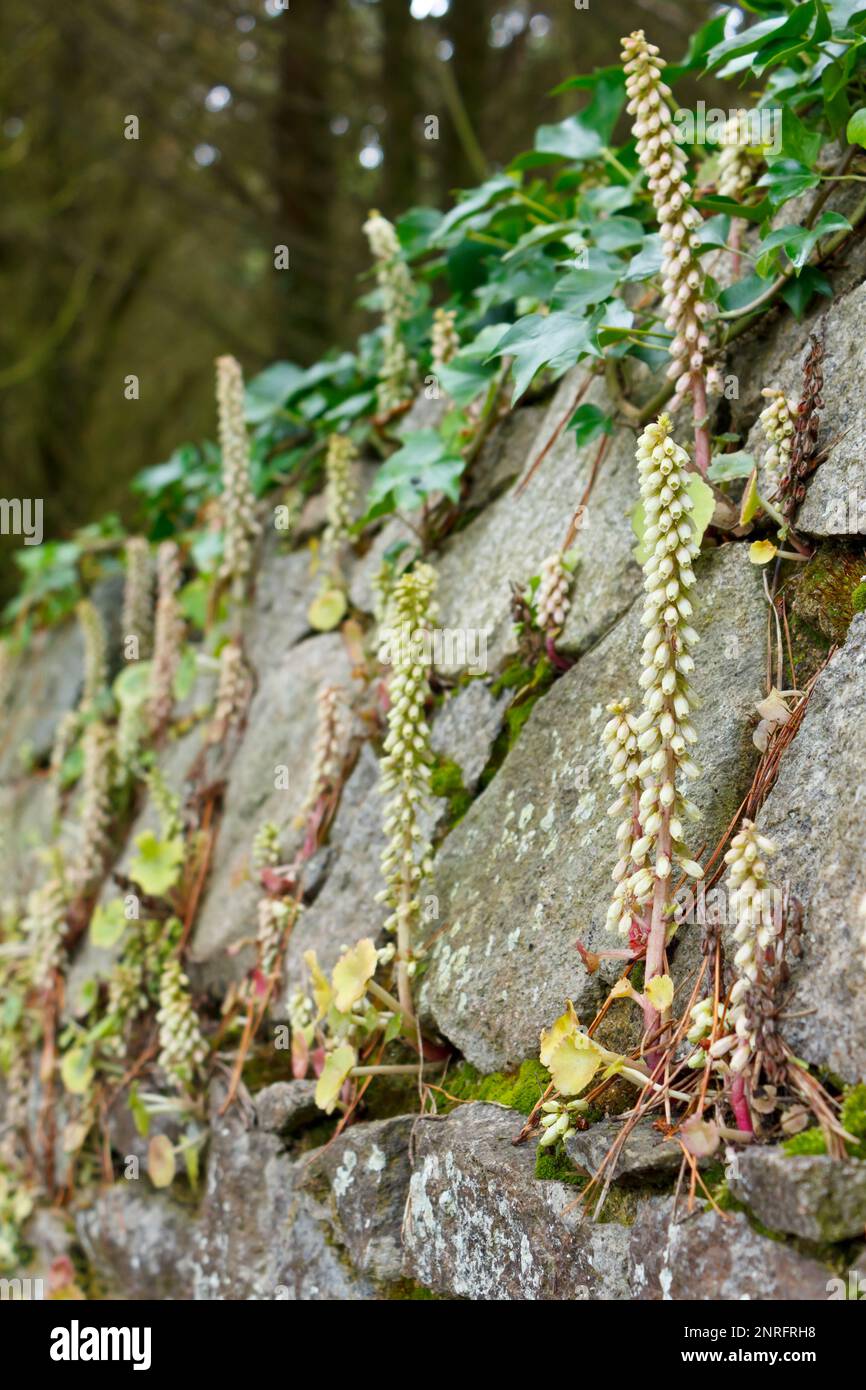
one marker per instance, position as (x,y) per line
(261,123)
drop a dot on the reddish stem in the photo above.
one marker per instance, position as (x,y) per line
(740,1105)
(702,429)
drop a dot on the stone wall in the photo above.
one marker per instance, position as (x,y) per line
(448,1206)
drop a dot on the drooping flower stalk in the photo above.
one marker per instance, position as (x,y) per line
(619,739)
(551,599)
(96,814)
(736,173)
(778,421)
(329,749)
(266,846)
(137,621)
(45,922)
(182,1049)
(64,737)
(754,902)
(736,166)
(685,305)
(340,494)
(238,502)
(95,647)
(664,729)
(395,285)
(406,764)
(168,637)
(233,690)
(445,340)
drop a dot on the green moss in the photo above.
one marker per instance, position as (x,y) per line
(520,1090)
(854,1111)
(446,780)
(821,594)
(808,1141)
(554,1165)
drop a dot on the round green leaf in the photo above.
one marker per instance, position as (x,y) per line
(161,1165)
(327,609)
(856,128)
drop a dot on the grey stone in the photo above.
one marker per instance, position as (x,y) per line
(714,1258)
(280,731)
(504,454)
(286,1106)
(139,1241)
(527,871)
(646,1153)
(809,1195)
(394,532)
(357,1186)
(26,817)
(480,1225)
(814,815)
(511,538)
(466,726)
(345,909)
(277,619)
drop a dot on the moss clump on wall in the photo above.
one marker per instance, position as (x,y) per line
(446,780)
(852,1118)
(821,597)
(554,1165)
(520,1090)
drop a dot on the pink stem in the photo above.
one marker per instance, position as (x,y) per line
(740,1105)
(702,429)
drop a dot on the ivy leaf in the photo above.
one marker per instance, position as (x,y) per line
(799,292)
(555,340)
(798,243)
(786,178)
(424,465)
(759,36)
(268,392)
(856,128)
(161,1164)
(76,1070)
(337,1066)
(724,467)
(588,421)
(743,292)
(585,135)
(107,924)
(352,972)
(578,290)
(647,261)
(156,867)
(469,370)
(475,201)
(798,142)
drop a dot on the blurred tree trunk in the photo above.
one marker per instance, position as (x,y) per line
(402,100)
(468,26)
(304,180)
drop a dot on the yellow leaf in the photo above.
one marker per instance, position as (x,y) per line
(751,502)
(351,973)
(574,1063)
(337,1067)
(564,1027)
(322,992)
(161,1165)
(621,990)
(761,552)
(327,609)
(660,992)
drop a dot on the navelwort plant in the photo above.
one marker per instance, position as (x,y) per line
(686,307)
(406,764)
(238,502)
(395,286)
